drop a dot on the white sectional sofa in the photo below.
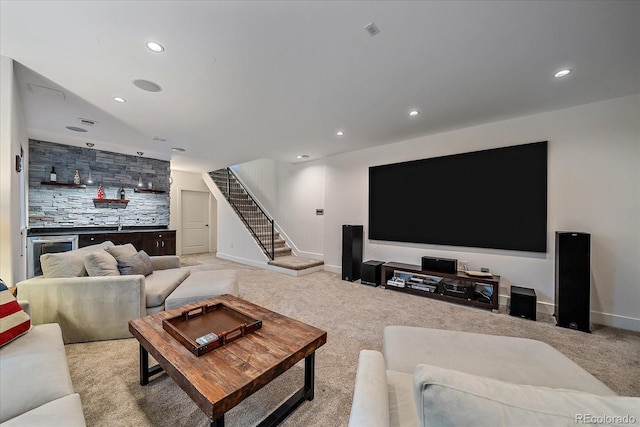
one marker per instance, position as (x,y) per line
(429,377)
(99,307)
(35,385)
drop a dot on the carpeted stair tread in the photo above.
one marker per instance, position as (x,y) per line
(295,262)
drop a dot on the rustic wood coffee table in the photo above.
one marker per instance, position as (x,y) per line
(222,378)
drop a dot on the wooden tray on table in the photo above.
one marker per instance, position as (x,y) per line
(208,327)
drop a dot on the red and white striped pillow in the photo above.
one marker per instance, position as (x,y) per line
(13,320)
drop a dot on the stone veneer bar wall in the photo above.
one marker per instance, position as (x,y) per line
(57,206)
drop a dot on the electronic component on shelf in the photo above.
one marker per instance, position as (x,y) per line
(425,287)
(397,282)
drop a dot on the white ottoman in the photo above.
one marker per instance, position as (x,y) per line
(202,285)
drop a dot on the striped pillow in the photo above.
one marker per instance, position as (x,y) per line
(13,320)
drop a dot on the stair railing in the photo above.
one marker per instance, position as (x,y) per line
(254,217)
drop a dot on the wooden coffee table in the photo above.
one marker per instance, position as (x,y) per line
(222,378)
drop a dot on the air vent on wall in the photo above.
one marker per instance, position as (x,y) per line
(87,122)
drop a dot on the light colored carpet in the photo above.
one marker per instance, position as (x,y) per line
(106,373)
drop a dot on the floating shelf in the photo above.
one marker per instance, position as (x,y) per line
(110,203)
(63,184)
(146,190)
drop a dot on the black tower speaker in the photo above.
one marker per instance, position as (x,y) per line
(351,252)
(573,280)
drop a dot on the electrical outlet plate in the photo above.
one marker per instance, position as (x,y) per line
(463,265)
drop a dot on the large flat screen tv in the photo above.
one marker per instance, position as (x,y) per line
(486,199)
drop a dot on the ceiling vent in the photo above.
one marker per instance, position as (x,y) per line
(371,29)
(157,138)
(87,122)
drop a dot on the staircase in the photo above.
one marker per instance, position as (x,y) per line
(255,219)
(261,226)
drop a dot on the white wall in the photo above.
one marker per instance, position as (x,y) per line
(594,186)
(13,134)
(191,182)
(290,193)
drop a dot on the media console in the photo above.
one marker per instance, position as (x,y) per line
(457,287)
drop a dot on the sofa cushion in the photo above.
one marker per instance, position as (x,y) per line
(402,403)
(101,263)
(446,397)
(140,263)
(14,322)
(66,411)
(68,264)
(34,371)
(516,360)
(161,283)
(121,252)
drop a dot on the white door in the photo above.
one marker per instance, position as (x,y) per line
(195,222)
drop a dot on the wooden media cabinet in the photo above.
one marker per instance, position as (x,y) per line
(443,286)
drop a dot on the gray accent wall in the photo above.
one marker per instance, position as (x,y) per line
(58,206)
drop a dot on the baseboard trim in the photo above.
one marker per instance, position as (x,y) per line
(333,269)
(596,317)
(615,321)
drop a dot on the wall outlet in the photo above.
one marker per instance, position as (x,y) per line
(484,270)
(463,265)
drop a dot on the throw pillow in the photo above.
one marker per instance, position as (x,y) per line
(445,397)
(101,263)
(14,322)
(63,264)
(140,263)
(122,252)
(68,264)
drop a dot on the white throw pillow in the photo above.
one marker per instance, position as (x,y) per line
(101,263)
(446,397)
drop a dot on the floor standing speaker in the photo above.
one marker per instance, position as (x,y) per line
(351,252)
(573,280)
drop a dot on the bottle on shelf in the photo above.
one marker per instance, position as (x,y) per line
(54,176)
(100,192)
(76,177)
(122,193)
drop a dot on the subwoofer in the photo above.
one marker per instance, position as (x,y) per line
(351,252)
(573,280)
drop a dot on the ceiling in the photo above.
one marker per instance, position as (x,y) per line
(243,80)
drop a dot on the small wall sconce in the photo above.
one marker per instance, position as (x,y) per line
(90,178)
(140,184)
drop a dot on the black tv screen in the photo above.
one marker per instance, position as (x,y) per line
(487,199)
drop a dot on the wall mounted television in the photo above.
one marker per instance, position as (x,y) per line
(493,198)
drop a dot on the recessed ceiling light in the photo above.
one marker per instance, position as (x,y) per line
(414,113)
(155,46)
(140,153)
(118,99)
(147,85)
(90,144)
(340,133)
(562,73)
(76,129)
(178,149)
(303,156)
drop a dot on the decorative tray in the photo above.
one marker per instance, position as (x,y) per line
(210,326)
